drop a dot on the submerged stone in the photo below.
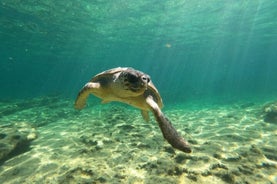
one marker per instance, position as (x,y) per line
(15,139)
(270,112)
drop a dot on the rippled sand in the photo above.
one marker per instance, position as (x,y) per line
(112,144)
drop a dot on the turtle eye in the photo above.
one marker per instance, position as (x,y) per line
(144,78)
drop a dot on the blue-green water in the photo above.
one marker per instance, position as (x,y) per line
(191,49)
(214,63)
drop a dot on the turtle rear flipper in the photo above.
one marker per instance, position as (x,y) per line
(169,132)
(145,115)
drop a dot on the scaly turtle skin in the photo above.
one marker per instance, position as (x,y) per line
(136,89)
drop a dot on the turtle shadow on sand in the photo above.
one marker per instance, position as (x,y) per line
(135,88)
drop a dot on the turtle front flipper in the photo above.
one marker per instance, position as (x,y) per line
(169,132)
(80,102)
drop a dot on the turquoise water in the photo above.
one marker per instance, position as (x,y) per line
(191,49)
(213,62)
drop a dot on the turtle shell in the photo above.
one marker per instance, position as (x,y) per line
(108,75)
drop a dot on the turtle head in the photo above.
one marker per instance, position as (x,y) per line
(134,81)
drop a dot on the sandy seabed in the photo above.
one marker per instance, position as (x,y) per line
(112,144)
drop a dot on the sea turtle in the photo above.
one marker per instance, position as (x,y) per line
(135,88)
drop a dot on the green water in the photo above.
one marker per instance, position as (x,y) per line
(213,62)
